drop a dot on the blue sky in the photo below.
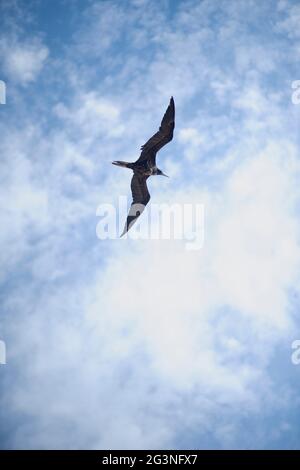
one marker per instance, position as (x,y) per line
(141,343)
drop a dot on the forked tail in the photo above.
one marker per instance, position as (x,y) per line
(124,164)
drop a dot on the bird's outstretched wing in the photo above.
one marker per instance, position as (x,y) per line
(162,137)
(140,198)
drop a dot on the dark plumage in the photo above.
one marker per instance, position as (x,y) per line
(145,165)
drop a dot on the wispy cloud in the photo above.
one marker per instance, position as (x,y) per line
(24,62)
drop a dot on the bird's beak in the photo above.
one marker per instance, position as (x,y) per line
(163,174)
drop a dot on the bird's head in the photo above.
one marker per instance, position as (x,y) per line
(159,172)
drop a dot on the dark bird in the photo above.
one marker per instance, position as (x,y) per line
(145,165)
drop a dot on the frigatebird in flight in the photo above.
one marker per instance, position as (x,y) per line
(145,166)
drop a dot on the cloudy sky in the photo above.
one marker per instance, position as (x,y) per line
(125,343)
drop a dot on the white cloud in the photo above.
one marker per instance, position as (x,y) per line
(159,322)
(92,114)
(24,61)
(250,256)
(193,141)
(289,24)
